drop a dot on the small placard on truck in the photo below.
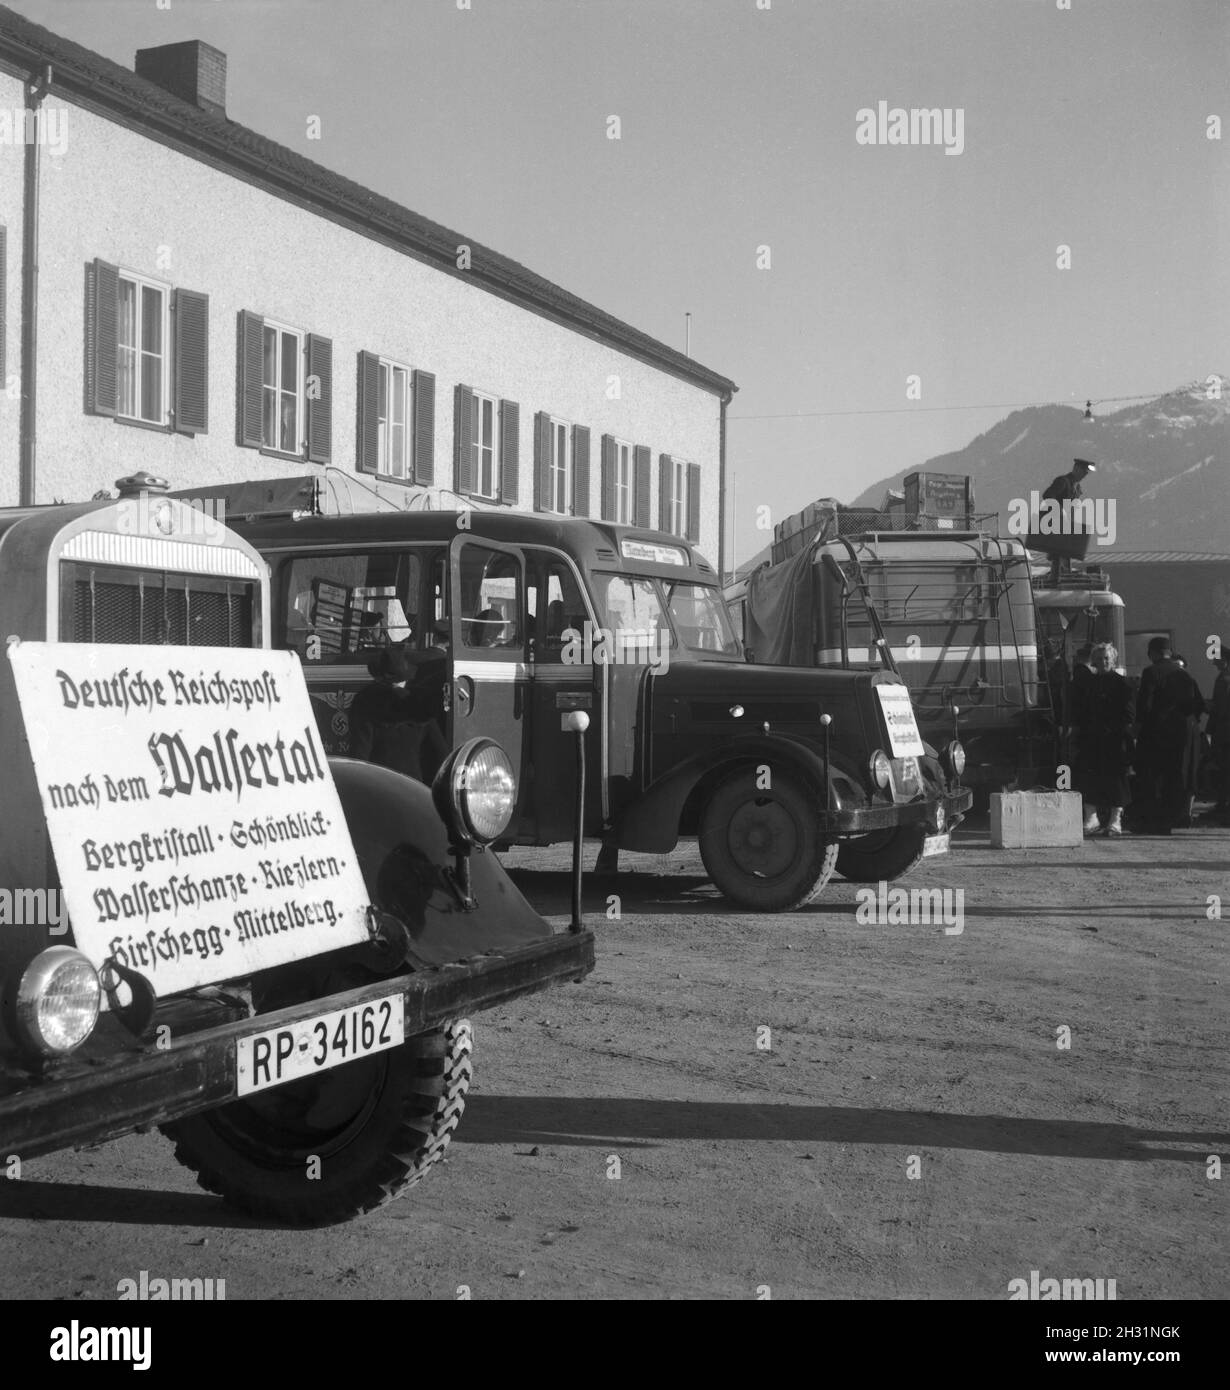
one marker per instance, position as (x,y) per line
(197,831)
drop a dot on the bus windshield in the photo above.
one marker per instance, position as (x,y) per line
(701,619)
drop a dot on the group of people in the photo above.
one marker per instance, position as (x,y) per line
(1138,751)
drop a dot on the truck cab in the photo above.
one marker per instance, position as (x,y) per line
(306,1090)
(512,621)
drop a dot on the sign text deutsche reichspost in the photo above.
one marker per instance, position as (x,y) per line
(195,824)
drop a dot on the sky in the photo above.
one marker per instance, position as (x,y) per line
(821,274)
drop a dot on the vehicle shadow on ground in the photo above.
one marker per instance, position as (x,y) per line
(663,895)
(30,1200)
(1169,866)
(592,1121)
(551,892)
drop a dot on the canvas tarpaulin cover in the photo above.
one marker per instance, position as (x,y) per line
(780,612)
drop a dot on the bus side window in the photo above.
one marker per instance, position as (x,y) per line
(557,606)
(338,608)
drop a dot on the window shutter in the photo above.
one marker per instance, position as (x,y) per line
(191,362)
(251,327)
(423,464)
(510,451)
(463,440)
(367,445)
(666,471)
(580,470)
(542,462)
(320,406)
(607,478)
(693,531)
(101,330)
(4,318)
(641,465)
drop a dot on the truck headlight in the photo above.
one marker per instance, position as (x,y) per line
(953,758)
(475,791)
(57,1001)
(881,769)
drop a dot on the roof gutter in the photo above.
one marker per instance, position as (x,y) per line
(36,90)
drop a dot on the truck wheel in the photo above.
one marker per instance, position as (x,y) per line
(882,855)
(763,848)
(333,1146)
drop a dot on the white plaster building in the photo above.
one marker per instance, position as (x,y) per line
(181,295)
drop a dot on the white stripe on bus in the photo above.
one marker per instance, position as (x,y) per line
(903,653)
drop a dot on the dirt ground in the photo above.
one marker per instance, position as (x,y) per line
(627,1138)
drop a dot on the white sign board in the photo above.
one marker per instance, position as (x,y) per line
(196,828)
(899,716)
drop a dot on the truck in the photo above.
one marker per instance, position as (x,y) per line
(308,1062)
(512,620)
(981,637)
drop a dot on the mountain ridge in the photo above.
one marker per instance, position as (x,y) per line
(1165,462)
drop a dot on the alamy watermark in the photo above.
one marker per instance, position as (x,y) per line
(1037,1288)
(202,518)
(910,907)
(34,907)
(1036,515)
(161,1290)
(926,125)
(45,125)
(623,646)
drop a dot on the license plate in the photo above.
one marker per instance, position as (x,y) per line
(316,1044)
(935,844)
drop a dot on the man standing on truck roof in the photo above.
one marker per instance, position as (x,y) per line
(1066,488)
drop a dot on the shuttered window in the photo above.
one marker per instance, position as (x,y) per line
(147,350)
(285,395)
(679,497)
(618,481)
(396,419)
(388,405)
(554,441)
(486,445)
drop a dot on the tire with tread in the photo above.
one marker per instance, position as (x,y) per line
(882,855)
(405,1105)
(762,847)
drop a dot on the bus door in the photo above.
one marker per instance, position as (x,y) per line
(564,677)
(488,680)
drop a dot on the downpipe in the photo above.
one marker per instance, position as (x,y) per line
(36,90)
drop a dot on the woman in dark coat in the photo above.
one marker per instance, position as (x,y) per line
(1105,716)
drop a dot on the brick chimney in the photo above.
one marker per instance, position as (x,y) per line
(193,71)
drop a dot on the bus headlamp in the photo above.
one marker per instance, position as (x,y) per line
(881,769)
